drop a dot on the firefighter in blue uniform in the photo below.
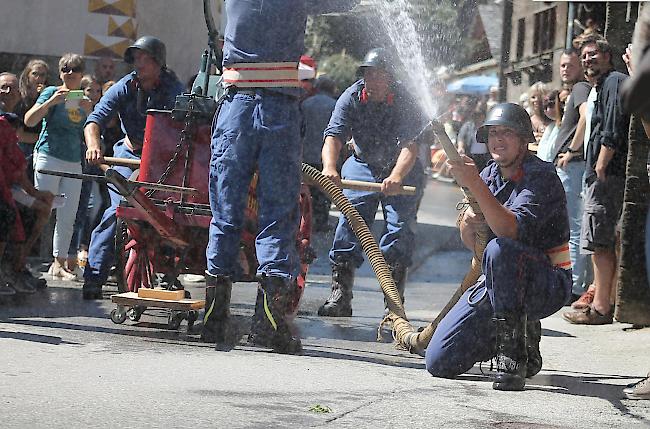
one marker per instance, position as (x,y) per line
(382,121)
(526,265)
(258,126)
(149,86)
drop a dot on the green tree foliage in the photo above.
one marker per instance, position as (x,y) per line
(445,26)
(341,68)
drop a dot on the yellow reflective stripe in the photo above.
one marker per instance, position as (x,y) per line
(209,312)
(267,310)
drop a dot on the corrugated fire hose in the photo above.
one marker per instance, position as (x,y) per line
(406,336)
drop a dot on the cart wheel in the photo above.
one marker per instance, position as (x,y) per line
(118,316)
(192,316)
(135,313)
(174,320)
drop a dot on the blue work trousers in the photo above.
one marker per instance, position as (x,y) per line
(255,130)
(517,278)
(573,181)
(397,239)
(101,253)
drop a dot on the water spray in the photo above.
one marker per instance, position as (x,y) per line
(405,335)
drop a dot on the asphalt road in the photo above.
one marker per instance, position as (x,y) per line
(66,365)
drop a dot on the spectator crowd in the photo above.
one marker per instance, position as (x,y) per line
(42,129)
(580,127)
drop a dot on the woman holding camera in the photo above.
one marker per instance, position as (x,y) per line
(62,111)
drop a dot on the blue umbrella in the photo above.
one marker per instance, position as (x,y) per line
(474,85)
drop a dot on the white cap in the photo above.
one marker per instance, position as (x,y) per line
(306,72)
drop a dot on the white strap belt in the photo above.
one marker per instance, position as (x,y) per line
(560,256)
(261,75)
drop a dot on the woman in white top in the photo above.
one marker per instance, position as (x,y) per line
(549,145)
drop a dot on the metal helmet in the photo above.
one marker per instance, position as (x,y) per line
(508,115)
(376,57)
(151,45)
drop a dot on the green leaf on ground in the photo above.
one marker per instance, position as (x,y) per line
(320,409)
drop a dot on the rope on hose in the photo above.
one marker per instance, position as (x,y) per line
(361,230)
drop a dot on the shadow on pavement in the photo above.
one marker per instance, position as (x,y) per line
(368,357)
(158,333)
(57,300)
(584,384)
(35,338)
(566,383)
(552,333)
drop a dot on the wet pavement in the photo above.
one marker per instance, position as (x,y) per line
(65,364)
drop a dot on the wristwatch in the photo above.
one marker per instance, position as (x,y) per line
(575,151)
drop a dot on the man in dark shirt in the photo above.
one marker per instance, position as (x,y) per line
(316,112)
(604,177)
(150,86)
(571,163)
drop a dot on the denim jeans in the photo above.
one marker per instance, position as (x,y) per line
(101,253)
(572,180)
(398,238)
(260,130)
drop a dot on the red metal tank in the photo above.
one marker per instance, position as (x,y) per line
(162,139)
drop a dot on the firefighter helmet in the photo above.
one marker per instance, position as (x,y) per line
(508,115)
(376,57)
(151,45)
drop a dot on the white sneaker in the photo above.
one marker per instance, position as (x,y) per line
(193,278)
(638,390)
(59,273)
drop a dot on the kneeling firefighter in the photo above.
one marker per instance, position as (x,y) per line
(382,121)
(258,126)
(526,264)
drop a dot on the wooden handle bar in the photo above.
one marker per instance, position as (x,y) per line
(347,184)
(373,187)
(122,162)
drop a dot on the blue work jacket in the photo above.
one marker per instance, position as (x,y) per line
(122,99)
(536,197)
(379,130)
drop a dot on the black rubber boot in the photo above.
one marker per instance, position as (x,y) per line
(20,285)
(511,353)
(533,337)
(399,272)
(92,290)
(217,308)
(261,332)
(270,327)
(339,303)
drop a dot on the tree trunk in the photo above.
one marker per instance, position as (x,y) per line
(618,29)
(633,293)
